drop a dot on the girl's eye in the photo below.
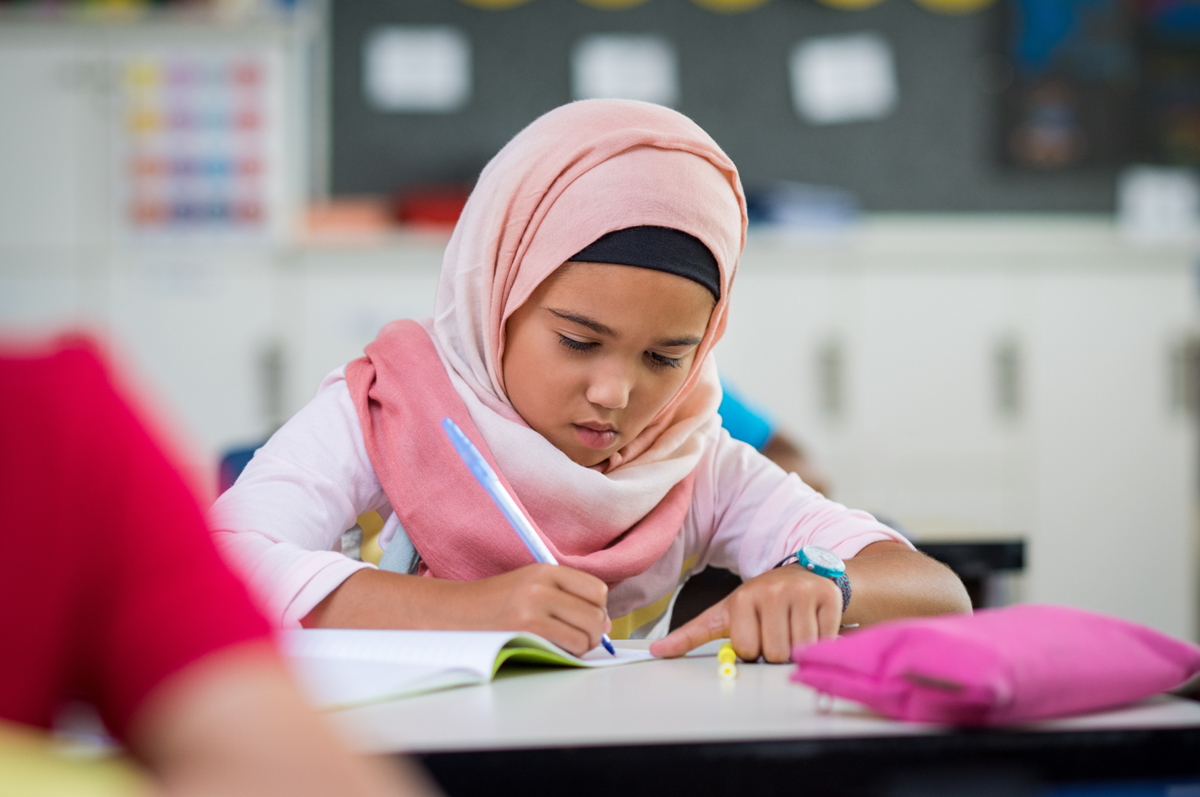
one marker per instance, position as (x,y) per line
(576,345)
(659,361)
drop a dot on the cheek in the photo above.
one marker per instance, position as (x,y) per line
(662,387)
(533,376)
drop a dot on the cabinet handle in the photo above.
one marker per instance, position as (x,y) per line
(831,366)
(271,366)
(1185,376)
(1006,370)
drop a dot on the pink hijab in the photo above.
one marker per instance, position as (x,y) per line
(578,172)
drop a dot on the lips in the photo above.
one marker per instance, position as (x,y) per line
(598,436)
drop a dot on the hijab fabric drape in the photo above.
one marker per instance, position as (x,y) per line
(573,175)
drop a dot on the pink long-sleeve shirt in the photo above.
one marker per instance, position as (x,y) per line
(281,524)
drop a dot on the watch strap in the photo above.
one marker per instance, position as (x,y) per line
(842,581)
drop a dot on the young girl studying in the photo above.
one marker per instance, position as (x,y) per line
(580,296)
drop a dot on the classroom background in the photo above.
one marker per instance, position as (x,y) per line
(969,290)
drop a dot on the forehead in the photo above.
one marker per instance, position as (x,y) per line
(631,292)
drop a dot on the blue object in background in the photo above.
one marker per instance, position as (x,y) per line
(232,465)
(802,206)
(1079,36)
(1044,26)
(744,421)
(1184,786)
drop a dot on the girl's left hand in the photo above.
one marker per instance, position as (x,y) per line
(765,617)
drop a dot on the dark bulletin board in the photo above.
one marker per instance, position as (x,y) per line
(937,151)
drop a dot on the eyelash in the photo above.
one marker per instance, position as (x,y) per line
(660,361)
(575,345)
(656,360)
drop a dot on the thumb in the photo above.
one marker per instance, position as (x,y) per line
(710,625)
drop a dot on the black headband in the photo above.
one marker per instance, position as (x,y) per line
(658,248)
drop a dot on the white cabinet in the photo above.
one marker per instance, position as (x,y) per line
(196,326)
(337,298)
(923,437)
(1111,461)
(993,378)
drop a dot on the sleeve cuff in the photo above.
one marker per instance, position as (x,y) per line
(318,587)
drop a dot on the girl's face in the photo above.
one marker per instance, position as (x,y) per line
(598,350)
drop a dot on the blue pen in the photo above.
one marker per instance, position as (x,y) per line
(488,479)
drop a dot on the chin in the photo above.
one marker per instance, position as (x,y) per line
(579,453)
(590,459)
(587,457)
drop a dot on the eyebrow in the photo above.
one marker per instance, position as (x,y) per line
(584,321)
(690,340)
(601,329)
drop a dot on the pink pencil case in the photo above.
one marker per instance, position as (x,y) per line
(997,666)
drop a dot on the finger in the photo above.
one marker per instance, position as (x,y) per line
(566,636)
(774,627)
(582,585)
(580,614)
(804,623)
(744,633)
(712,624)
(829,618)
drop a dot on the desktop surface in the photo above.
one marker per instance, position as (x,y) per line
(674,727)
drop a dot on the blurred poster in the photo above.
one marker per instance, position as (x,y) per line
(1072,96)
(197,146)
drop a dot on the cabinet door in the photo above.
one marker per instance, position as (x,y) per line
(53,142)
(43,292)
(778,321)
(194,327)
(927,440)
(344,298)
(889,377)
(1115,463)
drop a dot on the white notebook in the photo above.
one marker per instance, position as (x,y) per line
(342,667)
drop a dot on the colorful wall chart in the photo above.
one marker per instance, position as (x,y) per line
(194,133)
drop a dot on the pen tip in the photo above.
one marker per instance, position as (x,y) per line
(608,645)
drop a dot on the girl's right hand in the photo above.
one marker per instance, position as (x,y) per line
(567,607)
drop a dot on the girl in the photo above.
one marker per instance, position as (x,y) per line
(580,297)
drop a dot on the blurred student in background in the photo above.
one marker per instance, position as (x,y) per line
(113,593)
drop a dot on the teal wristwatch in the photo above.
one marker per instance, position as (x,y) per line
(823,562)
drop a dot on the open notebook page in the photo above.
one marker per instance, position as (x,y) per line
(473,650)
(340,667)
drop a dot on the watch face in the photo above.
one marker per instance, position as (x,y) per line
(823,558)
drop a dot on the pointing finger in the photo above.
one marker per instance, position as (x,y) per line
(710,625)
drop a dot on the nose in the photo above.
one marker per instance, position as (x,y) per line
(610,385)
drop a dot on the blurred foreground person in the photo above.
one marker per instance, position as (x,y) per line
(113,593)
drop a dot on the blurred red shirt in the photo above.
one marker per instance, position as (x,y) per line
(110,582)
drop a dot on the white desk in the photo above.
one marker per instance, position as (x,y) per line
(643,718)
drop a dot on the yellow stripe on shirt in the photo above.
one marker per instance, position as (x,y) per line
(622,627)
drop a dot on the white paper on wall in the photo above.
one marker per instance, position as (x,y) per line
(627,67)
(839,79)
(417,69)
(1158,204)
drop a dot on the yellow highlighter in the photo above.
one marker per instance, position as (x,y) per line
(728,662)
